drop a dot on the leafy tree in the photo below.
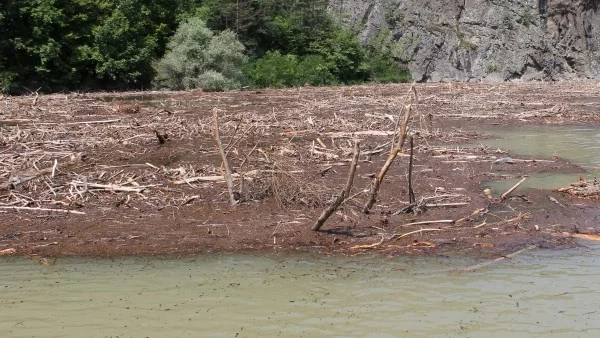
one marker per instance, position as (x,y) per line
(276,71)
(127,41)
(66,44)
(39,43)
(197,58)
(114,44)
(344,54)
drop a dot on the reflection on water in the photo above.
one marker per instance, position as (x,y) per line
(581,146)
(536,294)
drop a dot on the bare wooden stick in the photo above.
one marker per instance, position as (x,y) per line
(343,195)
(397,147)
(228,178)
(112,187)
(503,197)
(446,205)
(369,246)
(396,236)
(449,221)
(81,122)
(45,209)
(411,193)
(54,168)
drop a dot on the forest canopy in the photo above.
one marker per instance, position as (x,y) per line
(59,45)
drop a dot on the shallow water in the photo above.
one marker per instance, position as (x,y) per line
(581,146)
(536,294)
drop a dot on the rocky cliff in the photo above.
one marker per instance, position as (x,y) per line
(484,40)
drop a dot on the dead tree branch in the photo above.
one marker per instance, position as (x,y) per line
(228,178)
(343,195)
(396,148)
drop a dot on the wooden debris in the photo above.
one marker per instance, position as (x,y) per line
(368,246)
(43,209)
(228,178)
(162,138)
(588,237)
(503,196)
(398,236)
(9,251)
(582,189)
(396,147)
(344,193)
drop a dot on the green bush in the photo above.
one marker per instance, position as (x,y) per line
(527,18)
(214,81)
(344,55)
(275,70)
(492,67)
(385,70)
(195,56)
(313,70)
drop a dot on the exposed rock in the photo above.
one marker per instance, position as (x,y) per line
(485,40)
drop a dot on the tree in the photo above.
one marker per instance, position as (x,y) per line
(197,58)
(127,41)
(68,44)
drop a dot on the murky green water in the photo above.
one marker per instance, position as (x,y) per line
(579,145)
(536,294)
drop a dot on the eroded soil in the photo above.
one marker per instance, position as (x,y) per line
(95,160)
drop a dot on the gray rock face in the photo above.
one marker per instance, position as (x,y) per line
(485,40)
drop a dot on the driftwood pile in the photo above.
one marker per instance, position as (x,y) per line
(583,188)
(71,154)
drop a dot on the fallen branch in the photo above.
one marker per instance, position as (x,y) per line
(445,221)
(340,134)
(396,236)
(112,187)
(343,195)
(368,246)
(475,212)
(44,209)
(80,122)
(228,178)
(248,174)
(446,205)
(503,197)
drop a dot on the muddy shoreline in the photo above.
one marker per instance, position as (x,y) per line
(115,190)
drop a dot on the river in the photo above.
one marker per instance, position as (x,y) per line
(539,293)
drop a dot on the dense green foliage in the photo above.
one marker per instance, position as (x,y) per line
(196,58)
(121,44)
(71,44)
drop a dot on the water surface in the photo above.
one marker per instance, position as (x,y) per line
(536,294)
(580,146)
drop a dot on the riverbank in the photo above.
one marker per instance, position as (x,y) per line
(86,174)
